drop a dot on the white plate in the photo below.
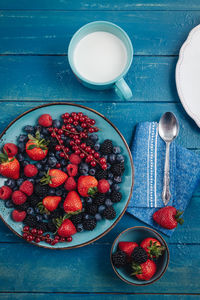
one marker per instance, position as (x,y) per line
(188,75)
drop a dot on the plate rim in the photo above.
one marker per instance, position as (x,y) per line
(177,75)
(132,168)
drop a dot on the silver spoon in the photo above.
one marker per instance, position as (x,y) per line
(168,130)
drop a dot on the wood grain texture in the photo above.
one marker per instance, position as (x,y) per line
(50,78)
(47,32)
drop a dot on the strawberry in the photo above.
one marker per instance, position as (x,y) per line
(11,149)
(66,229)
(168,217)
(72,202)
(9,166)
(26,187)
(51,202)
(5,192)
(18,216)
(127,247)
(87,185)
(54,178)
(30,170)
(153,247)
(144,271)
(72,170)
(45,120)
(75,159)
(36,147)
(18,197)
(103,186)
(70,184)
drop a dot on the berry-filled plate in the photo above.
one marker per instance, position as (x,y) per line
(66,176)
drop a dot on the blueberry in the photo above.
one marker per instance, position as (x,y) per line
(108,202)
(115,187)
(31,180)
(38,128)
(25,163)
(108,166)
(93,137)
(46,168)
(52,161)
(92,172)
(110,175)
(20,157)
(45,217)
(118,179)
(57,155)
(120,158)
(56,123)
(45,131)
(86,216)
(110,181)
(88,200)
(97,147)
(44,161)
(79,227)
(37,210)
(116,150)
(29,129)
(98,217)
(41,174)
(38,218)
(79,128)
(67,140)
(10,183)
(51,154)
(22,138)
(58,193)
(20,181)
(112,158)
(8,204)
(42,136)
(109,191)
(38,166)
(101,209)
(63,162)
(51,191)
(21,147)
(30,211)
(83,168)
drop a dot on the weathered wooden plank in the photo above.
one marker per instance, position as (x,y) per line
(101,5)
(67,271)
(49,32)
(50,78)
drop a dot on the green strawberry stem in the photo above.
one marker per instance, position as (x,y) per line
(46,179)
(4,157)
(155,250)
(92,191)
(43,209)
(136,269)
(58,221)
(177,217)
(38,142)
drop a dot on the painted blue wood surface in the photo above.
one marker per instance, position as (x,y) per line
(29,76)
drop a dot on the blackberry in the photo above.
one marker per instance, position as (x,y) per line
(109,213)
(90,224)
(51,227)
(92,209)
(30,221)
(22,207)
(52,144)
(99,199)
(106,147)
(139,255)
(41,190)
(101,174)
(115,196)
(56,214)
(33,200)
(119,259)
(89,142)
(117,169)
(76,219)
(42,226)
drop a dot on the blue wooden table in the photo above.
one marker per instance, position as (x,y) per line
(34,69)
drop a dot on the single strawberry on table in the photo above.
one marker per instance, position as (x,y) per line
(144,271)
(87,185)
(168,217)
(54,178)
(36,147)
(72,202)
(127,247)
(153,247)
(9,166)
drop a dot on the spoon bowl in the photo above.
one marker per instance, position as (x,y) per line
(168,127)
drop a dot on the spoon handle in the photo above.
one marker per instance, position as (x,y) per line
(166,195)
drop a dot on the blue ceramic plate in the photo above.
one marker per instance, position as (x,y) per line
(108,130)
(138,234)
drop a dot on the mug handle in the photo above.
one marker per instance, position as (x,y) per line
(122,89)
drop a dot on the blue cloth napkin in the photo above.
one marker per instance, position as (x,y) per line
(148,151)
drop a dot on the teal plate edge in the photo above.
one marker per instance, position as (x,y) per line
(108,130)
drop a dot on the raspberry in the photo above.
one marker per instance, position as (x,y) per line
(70,184)
(109,213)
(75,159)
(30,170)
(103,186)
(18,216)
(18,197)
(72,170)
(11,149)
(45,120)
(106,147)
(27,188)
(5,192)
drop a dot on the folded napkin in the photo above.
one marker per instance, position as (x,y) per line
(148,151)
